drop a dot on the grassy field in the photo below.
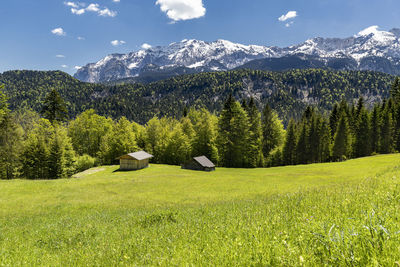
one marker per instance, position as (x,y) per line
(323,214)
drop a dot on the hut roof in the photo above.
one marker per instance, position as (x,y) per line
(204,161)
(141,155)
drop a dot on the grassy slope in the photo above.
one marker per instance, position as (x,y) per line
(337,213)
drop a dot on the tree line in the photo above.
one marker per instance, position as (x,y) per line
(46,145)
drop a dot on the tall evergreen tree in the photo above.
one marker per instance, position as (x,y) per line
(233,137)
(395,91)
(362,144)
(386,136)
(272,130)
(289,147)
(342,140)
(255,154)
(376,129)
(54,108)
(334,119)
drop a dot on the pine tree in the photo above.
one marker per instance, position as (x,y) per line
(289,147)
(342,140)
(376,129)
(54,108)
(255,154)
(272,130)
(324,149)
(334,119)
(56,161)
(395,91)
(362,144)
(302,147)
(386,136)
(233,137)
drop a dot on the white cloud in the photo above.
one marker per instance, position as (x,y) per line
(64,66)
(59,32)
(117,42)
(146,46)
(182,9)
(289,15)
(77,11)
(116,1)
(60,56)
(80,38)
(107,13)
(71,4)
(77,67)
(93,8)
(78,8)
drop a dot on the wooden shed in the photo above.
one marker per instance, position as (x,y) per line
(201,163)
(134,161)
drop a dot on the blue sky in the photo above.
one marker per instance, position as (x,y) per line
(57,34)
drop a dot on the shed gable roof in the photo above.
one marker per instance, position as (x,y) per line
(140,155)
(204,161)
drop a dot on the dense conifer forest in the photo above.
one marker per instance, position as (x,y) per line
(288,93)
(46,144)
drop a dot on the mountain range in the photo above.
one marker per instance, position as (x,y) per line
(371,49)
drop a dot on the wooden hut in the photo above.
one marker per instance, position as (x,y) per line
(134,161)
(201,163)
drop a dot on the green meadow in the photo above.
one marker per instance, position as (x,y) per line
(345,213)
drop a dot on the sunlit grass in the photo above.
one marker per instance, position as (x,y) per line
(337,214)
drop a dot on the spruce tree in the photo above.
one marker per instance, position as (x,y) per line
(54,108)
(272,130)
(376,129)
(302,147)
(233,137)
(255,154)
(56,161)
(395,91)
(362,144)
(334,119)
(386,135)
(289,147)
(342,140)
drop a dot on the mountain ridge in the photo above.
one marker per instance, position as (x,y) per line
(370,49)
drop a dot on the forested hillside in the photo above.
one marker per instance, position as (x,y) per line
(287,92)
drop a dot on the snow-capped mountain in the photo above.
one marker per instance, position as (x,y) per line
(370,49)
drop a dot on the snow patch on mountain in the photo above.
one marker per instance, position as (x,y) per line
(226,55)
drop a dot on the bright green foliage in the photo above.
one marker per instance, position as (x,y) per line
(178,148)
(204,140)
(87,130)
(117,142)
(54,108)
(84,162)
(10,141)
(342,140)
(272,129)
